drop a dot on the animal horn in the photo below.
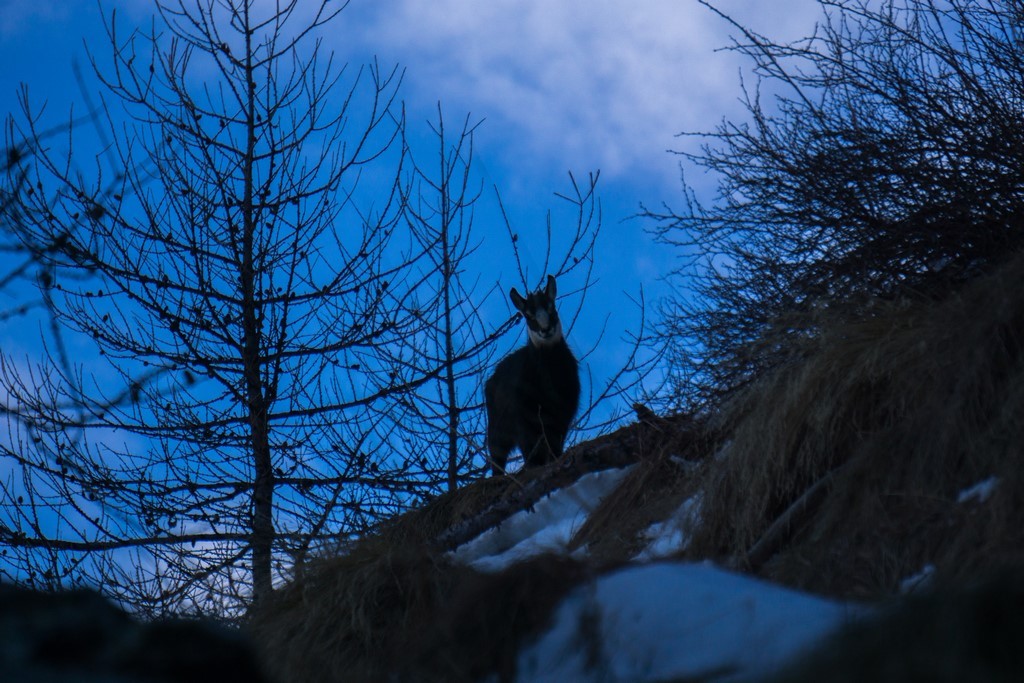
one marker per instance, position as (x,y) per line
(551,287)
(517,300)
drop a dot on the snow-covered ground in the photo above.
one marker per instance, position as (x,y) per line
(671,535)
(980,492)
(546,527)
(668,620)
(657,620)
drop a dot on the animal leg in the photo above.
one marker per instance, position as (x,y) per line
(536,449)
(499,449)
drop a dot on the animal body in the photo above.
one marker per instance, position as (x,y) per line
(534,392)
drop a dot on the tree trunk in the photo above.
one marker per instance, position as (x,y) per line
(448,276)
(256,398)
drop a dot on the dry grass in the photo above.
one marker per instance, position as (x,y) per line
(386,612)
(670,452)
(838,473)
(901,411)
(422,525)
(490,617)
(344,615)
(957,633)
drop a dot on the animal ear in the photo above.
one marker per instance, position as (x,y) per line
(550,291)
(518,301)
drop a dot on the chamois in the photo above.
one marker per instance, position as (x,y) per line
(534,392)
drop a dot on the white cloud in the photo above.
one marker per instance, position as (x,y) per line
(587,83)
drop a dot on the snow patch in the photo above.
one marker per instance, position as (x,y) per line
(671,535)
(547,527)
(665,621)
(980,492)
(919,581)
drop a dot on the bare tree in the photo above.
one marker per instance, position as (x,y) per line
(440,210)
(265,361)
(246,315)
(887,163)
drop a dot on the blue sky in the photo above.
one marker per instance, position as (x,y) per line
(566,85)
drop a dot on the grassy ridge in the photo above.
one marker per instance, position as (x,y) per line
(838,473)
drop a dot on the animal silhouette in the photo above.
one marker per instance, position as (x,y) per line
(534,392)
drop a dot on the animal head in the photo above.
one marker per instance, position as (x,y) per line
(542,323)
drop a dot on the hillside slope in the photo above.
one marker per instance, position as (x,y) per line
(883,459)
